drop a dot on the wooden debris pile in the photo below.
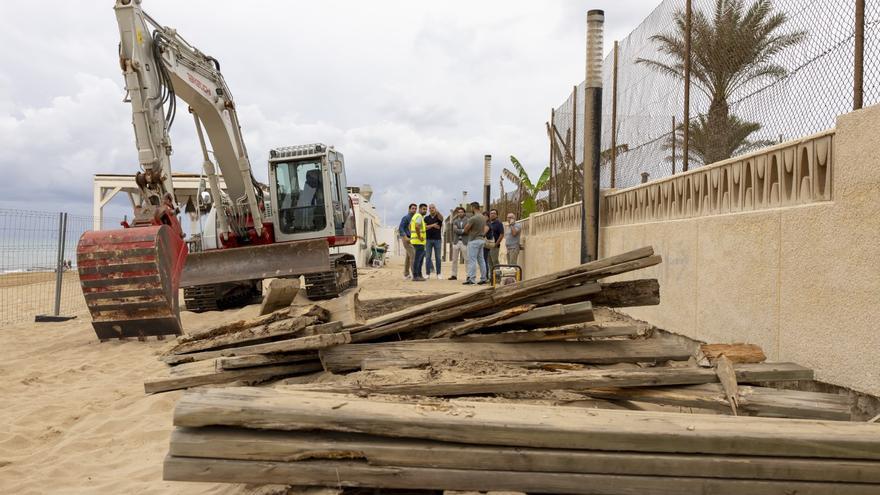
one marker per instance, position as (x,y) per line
(520,388)
(286,342)
(264,435)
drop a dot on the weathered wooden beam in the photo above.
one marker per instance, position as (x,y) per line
(572,294)
(350,357)
(259,374)
(279,328)
(233,363)
(560,380)
(644,292)
(556,314)
(193,341)
(456,329)
(758,401)
(312,342)
(523,425)
(289,446)
(566,332)
(358,474)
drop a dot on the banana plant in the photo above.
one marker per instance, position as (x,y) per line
(528,190)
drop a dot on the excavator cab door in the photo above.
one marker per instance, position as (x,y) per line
(343,210)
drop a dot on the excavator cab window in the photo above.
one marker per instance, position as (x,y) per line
(300,187)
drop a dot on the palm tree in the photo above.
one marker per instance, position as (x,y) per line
(528,191)
(731,50)
(734,141)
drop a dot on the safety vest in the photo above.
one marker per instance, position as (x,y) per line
(413,236)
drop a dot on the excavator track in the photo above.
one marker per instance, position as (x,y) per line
(217,297)
(129,278)
(327,285)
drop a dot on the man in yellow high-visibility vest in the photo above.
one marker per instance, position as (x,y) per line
(417,239)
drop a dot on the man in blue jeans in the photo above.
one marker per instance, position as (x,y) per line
(475,229)
(433,234)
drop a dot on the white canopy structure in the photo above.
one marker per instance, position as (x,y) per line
(107,186)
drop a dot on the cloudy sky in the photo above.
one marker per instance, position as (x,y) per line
(413,93)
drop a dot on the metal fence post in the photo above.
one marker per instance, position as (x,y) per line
(59,264)
(673,144)
(614,120)
(686,121)
(859,56)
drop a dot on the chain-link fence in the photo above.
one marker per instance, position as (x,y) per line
(762,71)
(38,264)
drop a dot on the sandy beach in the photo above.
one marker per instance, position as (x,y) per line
(74,415)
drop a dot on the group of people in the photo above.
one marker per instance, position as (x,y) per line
(474,233)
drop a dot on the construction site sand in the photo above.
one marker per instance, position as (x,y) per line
(73,415)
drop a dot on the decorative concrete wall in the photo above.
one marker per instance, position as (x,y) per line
(551,241)
(779,248)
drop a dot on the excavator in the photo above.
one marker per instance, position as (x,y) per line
(130,277)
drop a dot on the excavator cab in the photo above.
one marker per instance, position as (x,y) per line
(310,201)
(308,191)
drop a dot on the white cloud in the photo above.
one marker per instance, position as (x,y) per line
(413,93)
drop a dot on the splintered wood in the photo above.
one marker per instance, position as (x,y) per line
(524,388)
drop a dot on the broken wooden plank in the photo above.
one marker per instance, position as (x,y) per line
(524,425)
(643,292)
(758,401)
(350,357)
(556,314)
(461,328)
(577,293)
(727,377)
(258,374)
(190,340)
(308,343)
(251,335)
(736,353)
(356,474)
(279,294)
(238,362)
(561,380)
(566,332)
(274,445)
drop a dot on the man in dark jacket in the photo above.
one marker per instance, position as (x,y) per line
(496,234)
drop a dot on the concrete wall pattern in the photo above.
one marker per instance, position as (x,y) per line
(795,172)
(780,248)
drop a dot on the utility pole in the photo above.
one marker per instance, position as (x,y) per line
(592,137)
(487,176)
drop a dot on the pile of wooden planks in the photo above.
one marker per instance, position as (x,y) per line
(261,435)
(561,397)
(286,342)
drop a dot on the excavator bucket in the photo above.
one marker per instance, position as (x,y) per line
(130,280)
(284,259)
